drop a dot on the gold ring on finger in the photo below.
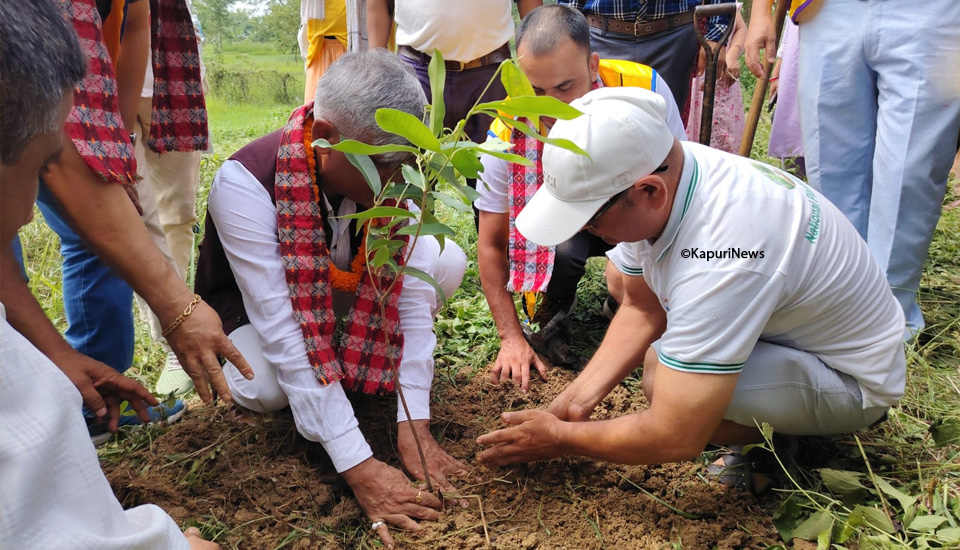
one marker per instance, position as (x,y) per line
(419,498)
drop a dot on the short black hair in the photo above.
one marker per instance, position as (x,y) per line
(40,59)
(546,27)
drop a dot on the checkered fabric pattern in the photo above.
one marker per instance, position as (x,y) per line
(371,347)
(644,10)
(94,123)
(179,119)
(531,265)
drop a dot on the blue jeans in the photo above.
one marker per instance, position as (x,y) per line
(98,303)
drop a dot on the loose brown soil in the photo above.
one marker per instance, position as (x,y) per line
(266,487)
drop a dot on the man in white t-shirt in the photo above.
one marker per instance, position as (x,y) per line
(553,47)
(748,297)
(472,37)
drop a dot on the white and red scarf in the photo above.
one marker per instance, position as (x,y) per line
(367,354)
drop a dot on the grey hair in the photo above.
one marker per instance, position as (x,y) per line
(356,85)
(40,59)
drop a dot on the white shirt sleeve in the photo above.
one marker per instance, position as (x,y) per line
(416,305)
(246,222)
(54,492)
(493,185)
(674,121)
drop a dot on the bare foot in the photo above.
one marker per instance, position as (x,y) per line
(440,464)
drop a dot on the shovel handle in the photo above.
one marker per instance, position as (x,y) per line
(760,89)
(712,55)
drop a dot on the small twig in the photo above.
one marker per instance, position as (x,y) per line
(681,513)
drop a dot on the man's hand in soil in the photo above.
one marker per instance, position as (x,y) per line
(196,541)
(103,389)
(513,363)
(385,495)
(439,463)
(197,342)
(565,407)
(534,436)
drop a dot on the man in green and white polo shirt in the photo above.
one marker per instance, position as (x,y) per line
(749,297)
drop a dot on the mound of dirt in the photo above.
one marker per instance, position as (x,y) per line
(264,486)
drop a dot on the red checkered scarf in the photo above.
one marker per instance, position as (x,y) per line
(371,345)
(94,123)
(179,120)
(530,265)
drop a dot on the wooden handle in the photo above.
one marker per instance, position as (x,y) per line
(760,90)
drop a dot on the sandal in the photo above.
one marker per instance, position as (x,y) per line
(733,469)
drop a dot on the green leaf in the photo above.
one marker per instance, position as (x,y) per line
(926,524)
(562,143)
(945,431)
(412,176)
(467,163)
(437,70)
(787,517)
(497,148)
(905,500)
(381,257)
(360,148)
(873,517)
(811,527)
(531,106)
(514,81)
(468,192)
(458,203)
(423,276)
(949,535)
(369,171)
(462,144)
(407,126)
(392,244)
(403,192)
(381,212)
(426,229)
(844,484)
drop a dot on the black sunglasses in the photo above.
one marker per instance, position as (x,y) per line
(612,200)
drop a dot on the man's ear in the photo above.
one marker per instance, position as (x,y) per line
(652,191)
(324,129)
(594,66)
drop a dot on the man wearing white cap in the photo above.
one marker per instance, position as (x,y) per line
(748,297)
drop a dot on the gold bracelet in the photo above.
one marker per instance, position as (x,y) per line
(183,316)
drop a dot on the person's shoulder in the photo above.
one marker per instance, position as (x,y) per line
(620,72)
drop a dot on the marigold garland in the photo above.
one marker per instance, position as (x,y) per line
(344,281)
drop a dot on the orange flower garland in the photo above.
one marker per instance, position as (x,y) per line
(344,281)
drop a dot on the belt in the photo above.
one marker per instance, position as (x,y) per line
(496,56)
(639,28)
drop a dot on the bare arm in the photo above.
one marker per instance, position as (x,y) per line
(516,355)
(104,217)
(526,6)
(101,387)
(687,410)
(760,36)
(132,65)
(637,324)
(379,23)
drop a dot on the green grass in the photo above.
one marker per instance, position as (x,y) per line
(902,450)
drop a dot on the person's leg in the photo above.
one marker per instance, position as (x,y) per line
(262,394)
(673,53)
(838,107)
(917,123)
(569,265)
(97,302)
(796,394)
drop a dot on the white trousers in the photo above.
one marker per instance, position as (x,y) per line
(880,112)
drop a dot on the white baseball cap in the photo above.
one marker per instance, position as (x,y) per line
(624,130)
